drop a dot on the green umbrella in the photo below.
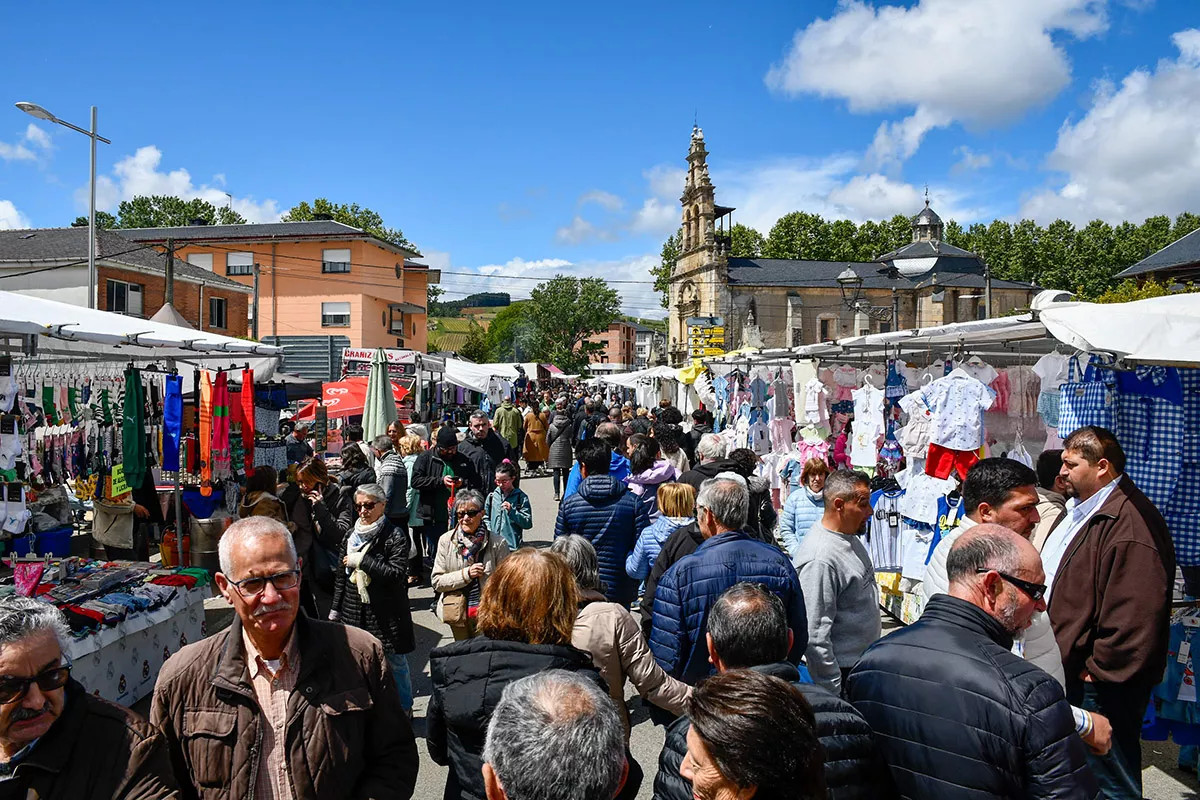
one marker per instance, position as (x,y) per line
(380,408)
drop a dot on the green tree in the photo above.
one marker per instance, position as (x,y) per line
(1156,234)
(843,241)
(1023,264)
(1128,291)
(513,334)
(164,211)
(1185,223)
(897,232)
(745,242)
(351,214)
(104,221)
(475,348)
(568,311)
(871,240)
(799,235)
(668,257)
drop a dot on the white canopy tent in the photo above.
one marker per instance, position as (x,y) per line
(477,377)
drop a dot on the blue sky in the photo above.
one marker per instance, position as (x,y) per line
(513,141)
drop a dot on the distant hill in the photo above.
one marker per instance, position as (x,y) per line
(453,308)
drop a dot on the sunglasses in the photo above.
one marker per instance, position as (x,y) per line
(367,506)
(282,581)
(1036,591)
(465,514)
(14,689)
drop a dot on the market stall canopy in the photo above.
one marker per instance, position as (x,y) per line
(22,314)
(631,380)
(346,398)
(1160,330)
(477,377)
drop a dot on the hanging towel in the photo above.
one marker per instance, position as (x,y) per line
(172,422)
(248,426)
(205,439)
(220,431)
(133,430)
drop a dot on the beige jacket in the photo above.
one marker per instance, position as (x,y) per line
(450,569)
(613,637)
(1052,507)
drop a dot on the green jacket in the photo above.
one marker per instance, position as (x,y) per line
(510,524)
(508,423)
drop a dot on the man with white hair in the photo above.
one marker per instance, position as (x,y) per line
(279,705)
(727,556)
(710,451)
(555,735)
(57,742)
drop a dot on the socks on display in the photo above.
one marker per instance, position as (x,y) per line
(48,405)
(10,442)
(15,513)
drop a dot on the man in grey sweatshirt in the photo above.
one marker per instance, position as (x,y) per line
(838,581)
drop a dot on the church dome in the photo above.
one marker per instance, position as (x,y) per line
(927,216)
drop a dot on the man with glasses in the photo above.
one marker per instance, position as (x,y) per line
(279,706)
(56,740)
(954,711)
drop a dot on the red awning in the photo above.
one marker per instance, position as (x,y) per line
(345,398)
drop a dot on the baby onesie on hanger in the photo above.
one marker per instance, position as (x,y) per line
(816,404)
(868,426)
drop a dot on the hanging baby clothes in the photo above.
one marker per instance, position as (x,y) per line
(816,404)
(868,426)
(133,430)
(845,378)
(957,402)
(883,533)
(915,436)
(897,385)
(758,434)
(1052,370)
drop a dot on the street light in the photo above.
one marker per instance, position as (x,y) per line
(34,110)
(850,283)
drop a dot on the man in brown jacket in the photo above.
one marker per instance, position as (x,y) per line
(57,742)
(280,706)
(1110,565)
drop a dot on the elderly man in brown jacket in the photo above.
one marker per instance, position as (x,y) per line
(57,742)
(1110,566)
(280,706)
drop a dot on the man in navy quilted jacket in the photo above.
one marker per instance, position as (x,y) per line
(727,556)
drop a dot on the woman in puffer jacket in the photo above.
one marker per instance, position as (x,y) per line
(613,638)
(647,471)
(804,507)
(562,453)
(677,506)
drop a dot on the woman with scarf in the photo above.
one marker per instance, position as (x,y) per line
(805,506)
(372,586)
(467,555)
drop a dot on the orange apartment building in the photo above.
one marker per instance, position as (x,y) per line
(619,344)
(315,279)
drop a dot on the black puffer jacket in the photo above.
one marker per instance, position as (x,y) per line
(852,768)
(387,616)
(956,714)
(698,474)
(468,678)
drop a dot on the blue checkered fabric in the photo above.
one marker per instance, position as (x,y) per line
(1150,430)
(1190,378)
(1085,401)
(1183,512)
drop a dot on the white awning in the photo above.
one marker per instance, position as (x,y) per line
(477,377)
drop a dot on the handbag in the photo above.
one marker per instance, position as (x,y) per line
(1084,401)
(454,607)
(325,564)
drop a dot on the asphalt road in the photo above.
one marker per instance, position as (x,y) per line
(1162,779)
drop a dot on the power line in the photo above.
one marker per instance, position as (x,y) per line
(99,257)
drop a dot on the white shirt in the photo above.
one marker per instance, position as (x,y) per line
(1059,540)
(1052,369)
(957,402)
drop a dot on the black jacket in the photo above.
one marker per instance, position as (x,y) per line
(760,521)
(468,678)
(487,455)
(387,616)
(709,469)
(956,714)
(852,768)
(427,479)
(692,439)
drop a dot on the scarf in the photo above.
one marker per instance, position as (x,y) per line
(360,539)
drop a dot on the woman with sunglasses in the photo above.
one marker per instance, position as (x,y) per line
(467,555)
(372,585)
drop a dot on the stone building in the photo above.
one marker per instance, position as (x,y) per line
(777,302)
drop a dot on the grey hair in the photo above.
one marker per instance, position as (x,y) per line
(844,483)
(480,415)
(710,447)
(464,497)
(371,490)
(581,555)
(24,616)
(727,499)
(252,528)
(382,442)
(556,734)
(983,547)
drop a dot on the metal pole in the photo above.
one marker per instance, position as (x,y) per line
(895,309)
(92,278)
(254,319)
(987,290)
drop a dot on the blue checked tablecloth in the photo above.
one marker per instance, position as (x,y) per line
(1151,431)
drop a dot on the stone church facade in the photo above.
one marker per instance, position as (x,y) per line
(774,303)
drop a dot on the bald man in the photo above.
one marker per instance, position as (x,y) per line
(955,711)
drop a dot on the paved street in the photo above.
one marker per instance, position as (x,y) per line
(1162,780)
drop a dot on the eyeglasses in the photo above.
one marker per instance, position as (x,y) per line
(13,690)
(282,581)
(465,514)
(1036,591)
(367,506)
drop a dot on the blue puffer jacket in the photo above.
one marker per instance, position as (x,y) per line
(687,591)
(611,517)
(800,512)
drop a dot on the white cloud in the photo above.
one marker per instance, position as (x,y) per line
(435,259)
(982,62)
(33,139)
(139,174)
(36,136)
(656,217)
(580,231)
(1135,153)
(666,181)
(11,218)
(605,200)
(970,160)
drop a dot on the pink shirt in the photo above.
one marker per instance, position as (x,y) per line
(272,688)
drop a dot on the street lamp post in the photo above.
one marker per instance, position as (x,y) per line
(33,109)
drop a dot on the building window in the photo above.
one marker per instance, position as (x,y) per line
(335,315)
(335,261)
(827,329)
(885,327)
(202,260)
(125,298)
(216,312)
(239,264)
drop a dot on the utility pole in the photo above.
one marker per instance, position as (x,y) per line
(254,300)
(987,289)
(169,289)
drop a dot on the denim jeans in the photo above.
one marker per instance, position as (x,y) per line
(1119,772)
(399,664)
